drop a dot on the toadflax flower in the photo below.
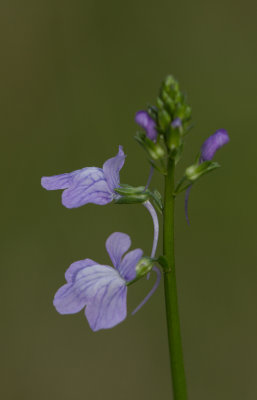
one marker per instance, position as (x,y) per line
(213,143)
(208,150)
(100,288)
(143,119)
(88,185)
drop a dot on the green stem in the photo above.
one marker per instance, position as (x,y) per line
(172,314)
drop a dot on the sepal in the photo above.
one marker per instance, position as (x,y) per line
(133,197)
(154,150)
(124,190)
(144,266)
(131,194)
(195,171)
(157,200)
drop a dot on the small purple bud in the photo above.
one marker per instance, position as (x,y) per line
(208,149)
(213,143)
(143,119)
(176,123)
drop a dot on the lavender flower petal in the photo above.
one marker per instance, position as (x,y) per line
(116,245)
(109,307)
(87,283)
(143,119)
(213,143)
(127,267)
(70,299)
(88,186)
(56,182)
(112,167)
(74,268)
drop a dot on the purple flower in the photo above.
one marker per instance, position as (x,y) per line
(88,185)
(213,143)
(100,288)
(143,119)
(208,150)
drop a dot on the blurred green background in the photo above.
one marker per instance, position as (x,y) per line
(73,74)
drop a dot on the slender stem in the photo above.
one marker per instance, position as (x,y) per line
(172,314)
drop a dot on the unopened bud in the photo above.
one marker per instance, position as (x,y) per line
(164,119)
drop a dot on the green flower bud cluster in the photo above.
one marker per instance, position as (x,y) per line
(171,117)
(172,103)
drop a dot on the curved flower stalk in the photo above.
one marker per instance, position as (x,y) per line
(208,150)
(100,288)
(153,214)
(89,184)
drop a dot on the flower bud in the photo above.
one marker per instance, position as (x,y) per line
(155,151)
(168,102)
(174,140)
(214,143)
(183,111)
(164,119)
(160,103)
(170,82)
